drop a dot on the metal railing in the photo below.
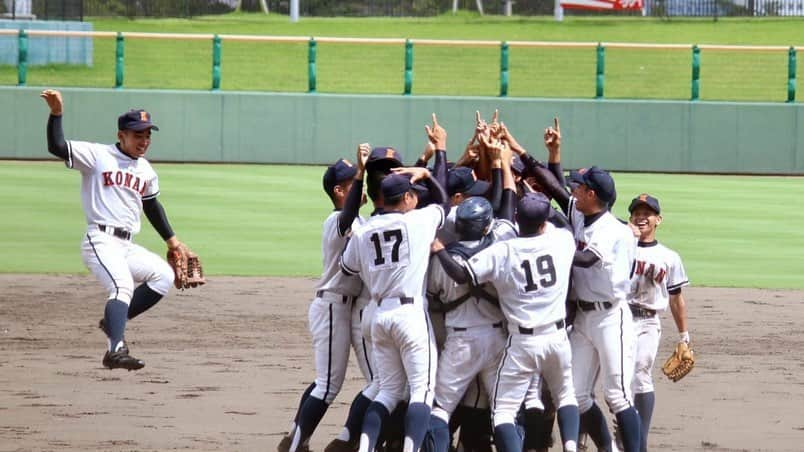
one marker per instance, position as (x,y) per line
(409,44)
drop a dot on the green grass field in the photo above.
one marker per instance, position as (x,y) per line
(731,231)
(649,74)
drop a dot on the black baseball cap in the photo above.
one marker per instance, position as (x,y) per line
(461,179)
(395,185)
(576,176)
(338,172)
(601,182)
(137,120)
(647,200)
(533,208)
(517,165)
(384,158)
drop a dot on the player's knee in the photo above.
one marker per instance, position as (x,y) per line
(584,402)
(617,400)
(122,292)
(501,417)
(162,279)
(388,399)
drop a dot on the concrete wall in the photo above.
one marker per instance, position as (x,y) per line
(317,128)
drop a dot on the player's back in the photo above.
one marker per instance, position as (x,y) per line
(531,275)
(391,252)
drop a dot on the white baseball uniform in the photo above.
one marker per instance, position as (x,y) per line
(390,252)
(330,313)
(475,333)
(658,270)
(531,275)
(603,334)
(113,186)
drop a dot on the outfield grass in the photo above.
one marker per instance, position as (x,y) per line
(731,231)
(659,74)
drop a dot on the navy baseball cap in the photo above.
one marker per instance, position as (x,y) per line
(533,208)
(601,182)
(340,171)
(576,176)
(647,200)
(395,185)
(386,157)
(137,120)
(461,179)
(517,166)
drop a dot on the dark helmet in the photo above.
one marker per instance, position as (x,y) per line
(473,218)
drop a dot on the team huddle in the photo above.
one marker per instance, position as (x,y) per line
(479,312)
(484,299)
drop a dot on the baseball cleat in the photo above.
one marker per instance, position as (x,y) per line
(121,360)
(339,445)
(284,445)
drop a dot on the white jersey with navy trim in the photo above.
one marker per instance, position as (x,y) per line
(391,252)
(474,311)
(531,275)
(614,244)
(657,271)
(113,185)
(332,245)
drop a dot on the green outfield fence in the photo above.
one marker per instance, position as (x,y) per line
(697,55)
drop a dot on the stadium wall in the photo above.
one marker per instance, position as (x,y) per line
(249,127)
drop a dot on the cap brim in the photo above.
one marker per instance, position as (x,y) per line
(637,202)
(141,127)
(479,188)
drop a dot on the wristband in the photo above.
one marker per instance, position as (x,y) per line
(684,336)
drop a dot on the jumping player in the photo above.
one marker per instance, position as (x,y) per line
(390,253)
(656,283)
(117,185)
(330,313)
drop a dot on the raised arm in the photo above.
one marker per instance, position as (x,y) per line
(351,206)
(56,143)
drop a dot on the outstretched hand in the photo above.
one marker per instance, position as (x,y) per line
(416,173)
(54,101)
(437,134)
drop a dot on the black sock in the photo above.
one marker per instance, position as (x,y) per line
(311,413)
(354,421)
(114,317)
(594,423)
(304,397)
(644,404)
(143,299)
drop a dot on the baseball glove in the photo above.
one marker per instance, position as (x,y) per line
(186,266)
(680,363)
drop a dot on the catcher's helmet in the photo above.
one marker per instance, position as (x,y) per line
(473,218)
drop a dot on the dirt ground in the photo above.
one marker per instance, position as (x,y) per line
(225,366)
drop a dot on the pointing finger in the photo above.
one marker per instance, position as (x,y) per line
(555,121)
(435,121)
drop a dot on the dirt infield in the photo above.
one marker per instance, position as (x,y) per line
(225,366)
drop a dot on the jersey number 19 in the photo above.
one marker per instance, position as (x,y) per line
(544,267)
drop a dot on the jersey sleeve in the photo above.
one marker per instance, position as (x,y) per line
(350,258)
(483,266)
(152,188)
(429,219)
(504,230)
(81,155)
(676,275)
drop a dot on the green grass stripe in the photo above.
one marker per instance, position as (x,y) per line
(731,231)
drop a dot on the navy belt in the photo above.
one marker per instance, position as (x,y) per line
(344,298)
(402,300)
(460,328)
(641,313)
(559,326)
(117,232)
(593,305)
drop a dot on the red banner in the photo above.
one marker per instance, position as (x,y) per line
(602,4)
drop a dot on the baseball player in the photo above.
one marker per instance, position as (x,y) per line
(390,253)
(330,313)
(656,282)
(473,320)
(531,274)
(117,185)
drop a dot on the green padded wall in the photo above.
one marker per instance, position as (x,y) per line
(255,127)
